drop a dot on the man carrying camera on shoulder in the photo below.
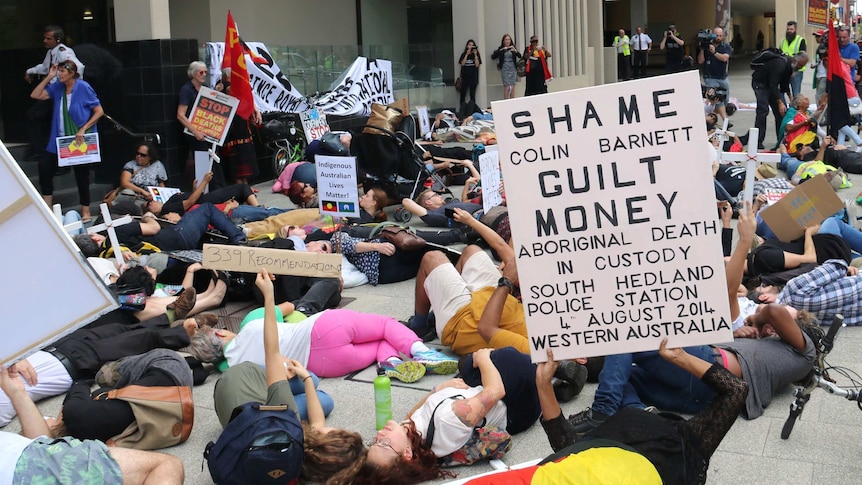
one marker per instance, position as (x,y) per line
(672,44)
(714,54)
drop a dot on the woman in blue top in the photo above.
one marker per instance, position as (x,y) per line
(76,111)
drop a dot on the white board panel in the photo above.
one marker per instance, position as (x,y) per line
(47,289)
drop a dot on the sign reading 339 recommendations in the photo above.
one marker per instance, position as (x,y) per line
(614,218)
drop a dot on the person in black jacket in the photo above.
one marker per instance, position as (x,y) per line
(769,81)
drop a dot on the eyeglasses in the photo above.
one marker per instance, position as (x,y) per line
(384,443)
(533,41)
(143,155)
(202,72)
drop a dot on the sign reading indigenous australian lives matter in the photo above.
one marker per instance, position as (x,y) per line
(212,113)
(613,218)
(336,186)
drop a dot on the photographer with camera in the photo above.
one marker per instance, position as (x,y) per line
(672,45)
(714,54)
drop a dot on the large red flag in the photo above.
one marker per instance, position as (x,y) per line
(837,80)
(240,87)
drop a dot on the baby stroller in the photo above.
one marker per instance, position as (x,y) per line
(391,161)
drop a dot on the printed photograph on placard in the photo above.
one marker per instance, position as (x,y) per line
(617,245)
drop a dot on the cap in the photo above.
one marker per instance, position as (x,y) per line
(820,33)
(765,260)
(447,112)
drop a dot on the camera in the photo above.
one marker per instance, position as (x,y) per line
(705,37)
(450,212)
(716,95)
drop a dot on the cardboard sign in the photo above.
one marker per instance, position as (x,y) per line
(38,308)
(613,218)
(336,186)
(70,152)
(492,183)
(276,261)
(212,114)
(806,205)
(314,124)
(424,119)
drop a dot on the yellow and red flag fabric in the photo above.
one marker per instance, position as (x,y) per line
(837,81)
(234,58)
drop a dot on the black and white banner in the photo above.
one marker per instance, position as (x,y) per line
(366,81)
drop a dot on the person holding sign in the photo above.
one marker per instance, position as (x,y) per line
(197,73)
(635,446)
(771,350)
(144,171)
(76,111)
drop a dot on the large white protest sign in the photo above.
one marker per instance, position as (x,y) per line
(49,288)
(336,186)
(365,82)
(613,217)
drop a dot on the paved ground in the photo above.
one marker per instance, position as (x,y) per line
(824,448)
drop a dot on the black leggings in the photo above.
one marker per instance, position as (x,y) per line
(464,88)
(48,169)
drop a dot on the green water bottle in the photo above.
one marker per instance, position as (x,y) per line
(382,398)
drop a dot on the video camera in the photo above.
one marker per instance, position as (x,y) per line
(705,37)
(715,95)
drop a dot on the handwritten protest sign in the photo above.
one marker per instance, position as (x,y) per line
(336,186)
(70,152)
(212,114)
(613,218)
(492,184)
(314,124)
(276,261)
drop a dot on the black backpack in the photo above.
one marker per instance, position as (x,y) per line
(260,445)
(764,56)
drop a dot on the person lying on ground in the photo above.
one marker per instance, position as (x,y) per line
(87,415)
(496,388)
(625,448)
(771,350)
(79,355)
(185,234)
(321,341)
(33,457)
(327,450)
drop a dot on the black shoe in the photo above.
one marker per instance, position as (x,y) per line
(304,310)
(565,391)
(587,420)
(573,374)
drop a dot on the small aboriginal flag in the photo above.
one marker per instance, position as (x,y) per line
(329,206)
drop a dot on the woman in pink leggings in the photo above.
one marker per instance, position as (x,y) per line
(331,343)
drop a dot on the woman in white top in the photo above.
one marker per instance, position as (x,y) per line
(497,389)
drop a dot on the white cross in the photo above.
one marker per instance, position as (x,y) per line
(723,135)
(110,225)
(58,214)
(752,159)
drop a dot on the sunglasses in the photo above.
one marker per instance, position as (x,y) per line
(67,67)
(533,41)
(202,72)
(144,155)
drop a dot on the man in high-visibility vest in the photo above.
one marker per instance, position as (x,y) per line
(624,56)
(791,45)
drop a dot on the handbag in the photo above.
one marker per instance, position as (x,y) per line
(521,66)
(164,416)
(458,84)
(110,196)
(401,237)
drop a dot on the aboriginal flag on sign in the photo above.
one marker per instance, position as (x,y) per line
(838,84)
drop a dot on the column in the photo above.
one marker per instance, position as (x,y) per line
(142,19)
